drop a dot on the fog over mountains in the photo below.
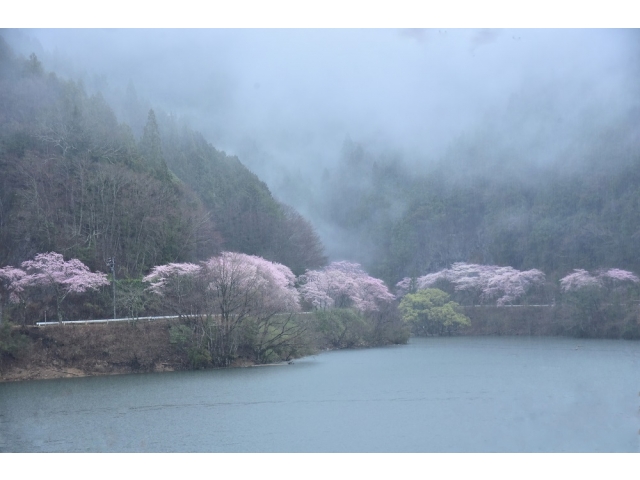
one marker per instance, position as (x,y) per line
(294,104)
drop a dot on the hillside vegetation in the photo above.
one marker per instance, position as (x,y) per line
(474,205)
(76,181)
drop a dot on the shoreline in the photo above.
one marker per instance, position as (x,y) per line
(26,371)
(85,350)
(73,351)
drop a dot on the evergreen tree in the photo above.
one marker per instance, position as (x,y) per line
(151,147)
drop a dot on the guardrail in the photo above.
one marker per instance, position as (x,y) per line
(105,320)
(127,319)
(508,306)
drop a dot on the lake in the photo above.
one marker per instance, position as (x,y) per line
(459,394)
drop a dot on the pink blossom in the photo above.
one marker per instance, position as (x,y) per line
(159,275)
(506,284)
(50,269)
(403,287)
(427,280)
(253,276)
(581,278)
(12,277)
(229,282)
(620,275)
(343,284)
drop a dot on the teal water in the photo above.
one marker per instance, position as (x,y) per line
(466,394)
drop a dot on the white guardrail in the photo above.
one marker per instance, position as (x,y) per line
(105,320)
(507,306)
(127,319)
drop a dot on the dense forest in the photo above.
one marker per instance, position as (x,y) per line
(472,206)
(76,181)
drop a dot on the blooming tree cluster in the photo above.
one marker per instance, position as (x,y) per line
(343,284)
(619,275)
(228,283)
(176,283)
(237,281)
(11,280)
(598,302)
(232,296)
(10,283)
(580,279)
(505,284)
(50,270)
(162,274)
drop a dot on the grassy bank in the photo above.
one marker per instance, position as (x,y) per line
(58,351)
(55,351)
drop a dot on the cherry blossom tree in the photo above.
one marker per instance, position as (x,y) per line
(509,284)
(343,284)
(600,303)
(352,308)
(580,279)
(176,284)
(405,286)
(230,296)
(248,292)
(50,270)
(10,282)
(620,275)
(240,285)
(488,282)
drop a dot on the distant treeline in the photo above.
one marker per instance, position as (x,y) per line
(471,207)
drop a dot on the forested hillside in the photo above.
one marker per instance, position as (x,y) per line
(581,211)
(248,218)
(76,181)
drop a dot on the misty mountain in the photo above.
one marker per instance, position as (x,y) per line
(77,181)
(553,216)
(513,147)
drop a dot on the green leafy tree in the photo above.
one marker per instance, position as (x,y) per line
(430,312)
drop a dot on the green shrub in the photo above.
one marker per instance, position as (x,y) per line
(180,335)
(199,357)
(430,312)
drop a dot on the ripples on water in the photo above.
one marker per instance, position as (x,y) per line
(465,394)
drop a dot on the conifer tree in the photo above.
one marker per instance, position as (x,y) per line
(151,147)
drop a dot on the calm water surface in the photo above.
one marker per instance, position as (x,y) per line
(433,395)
